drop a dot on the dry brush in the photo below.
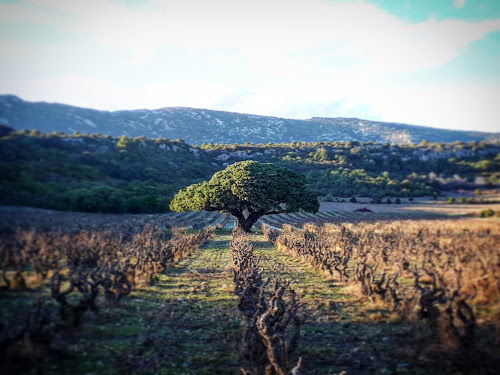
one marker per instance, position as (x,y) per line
(272,323)
(54,279)
(442,272)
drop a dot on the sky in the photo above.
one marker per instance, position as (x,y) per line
(422,62)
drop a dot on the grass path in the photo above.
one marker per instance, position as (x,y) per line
(186,323)
(337,333)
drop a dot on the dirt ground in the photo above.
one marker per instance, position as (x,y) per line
(423,204)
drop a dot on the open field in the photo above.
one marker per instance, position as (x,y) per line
(182,315)
(489,200)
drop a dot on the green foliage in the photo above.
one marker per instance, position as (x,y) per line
(99,199)
(62,171)
(451,200)
(344,169)
(258,187)
(328,198)
(320,155)
(96,173)
(487,213)
(123,142)
(5,130)
(248,186)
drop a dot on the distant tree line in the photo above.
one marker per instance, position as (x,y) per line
(96,173)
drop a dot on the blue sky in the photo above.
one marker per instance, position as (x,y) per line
(425,62)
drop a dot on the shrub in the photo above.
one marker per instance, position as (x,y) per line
(353,200)
(329,198)
(488,213)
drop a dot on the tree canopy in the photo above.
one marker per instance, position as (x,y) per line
(248,190)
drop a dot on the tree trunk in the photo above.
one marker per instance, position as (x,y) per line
(246,223)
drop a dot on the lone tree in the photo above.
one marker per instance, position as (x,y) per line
(248,190)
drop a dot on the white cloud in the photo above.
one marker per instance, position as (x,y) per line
(294,58)
(263,31)
(268,29)
(22,13)
(101,94)
(453,105)
(458,3)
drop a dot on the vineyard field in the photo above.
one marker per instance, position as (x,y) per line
(67,221)
(184,293)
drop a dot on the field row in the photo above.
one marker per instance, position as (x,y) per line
(372,297)
(52,281)
(441,276)
(47,220)
(298,219)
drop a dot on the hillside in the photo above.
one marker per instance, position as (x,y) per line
(97,173)
(197,126)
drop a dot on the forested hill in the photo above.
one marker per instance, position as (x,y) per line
(197,126)
(96,173)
